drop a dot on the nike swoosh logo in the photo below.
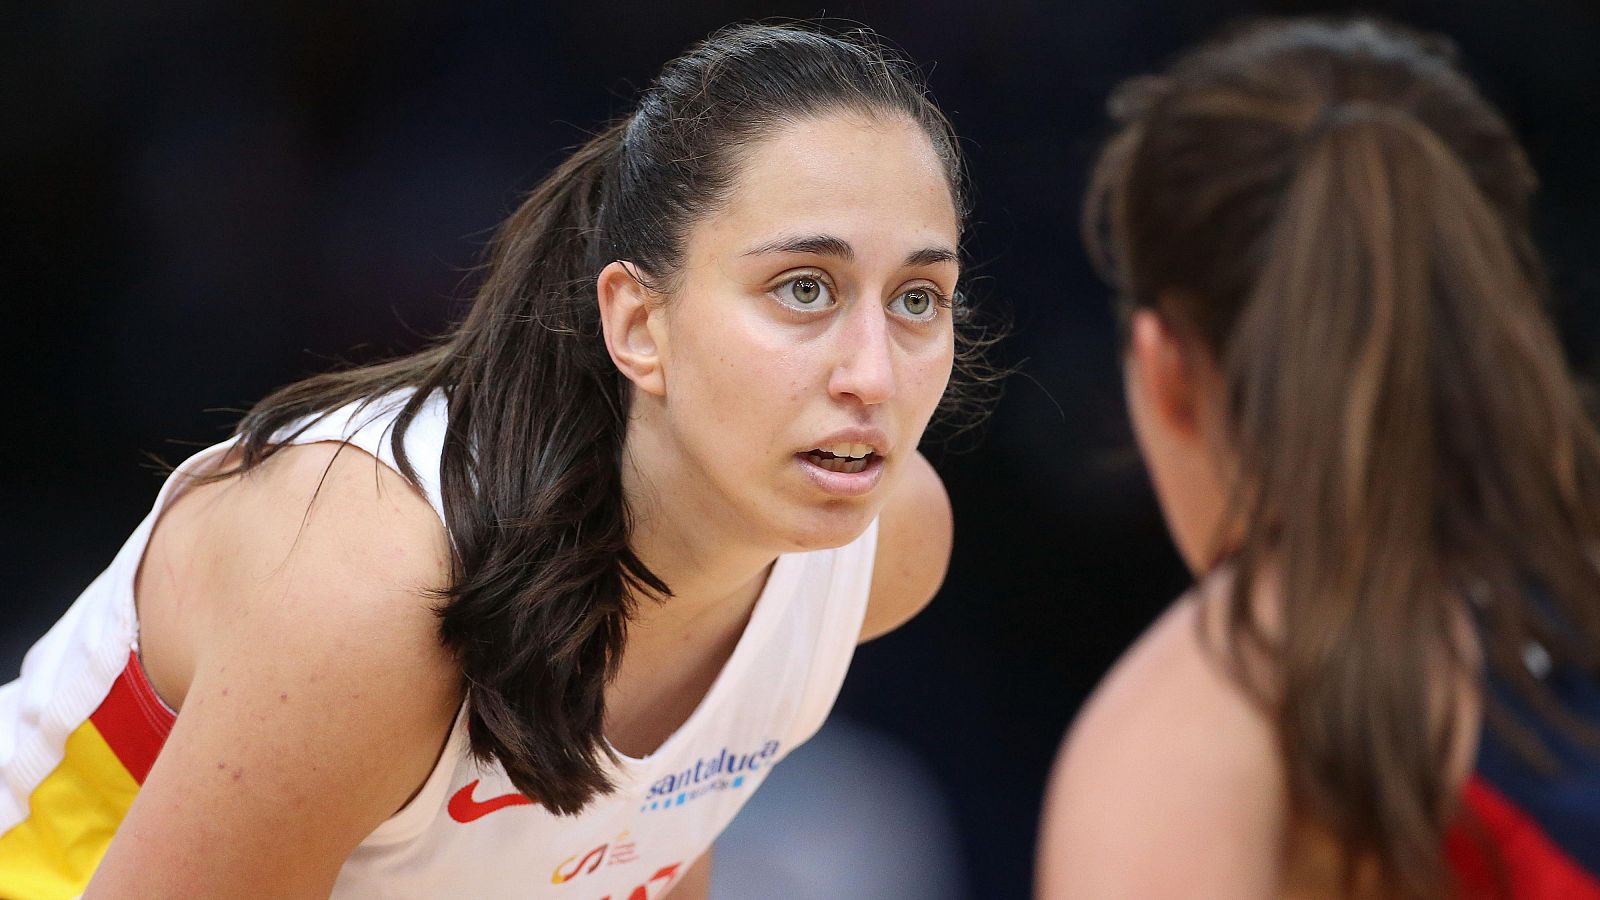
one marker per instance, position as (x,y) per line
(464,809)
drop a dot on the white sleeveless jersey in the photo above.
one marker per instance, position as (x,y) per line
(81,727)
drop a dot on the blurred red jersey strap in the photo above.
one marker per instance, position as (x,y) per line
(1534,867)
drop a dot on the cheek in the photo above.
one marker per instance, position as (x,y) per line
(738,373)
(927,375)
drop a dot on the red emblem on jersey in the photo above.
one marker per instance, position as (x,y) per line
(464,809)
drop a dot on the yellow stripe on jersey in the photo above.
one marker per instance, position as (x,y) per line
(72,815)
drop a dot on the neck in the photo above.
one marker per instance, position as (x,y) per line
(681,535)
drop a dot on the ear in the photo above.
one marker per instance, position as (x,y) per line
(1162,374)
(627,306)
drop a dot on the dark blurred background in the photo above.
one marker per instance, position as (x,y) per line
(207,201)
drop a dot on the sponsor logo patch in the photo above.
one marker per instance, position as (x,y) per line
(727,770)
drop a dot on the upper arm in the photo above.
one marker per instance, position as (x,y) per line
(320,695)
(1169,784)
(914,533)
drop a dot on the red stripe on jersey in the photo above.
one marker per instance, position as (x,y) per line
(1533,866)
(133,720)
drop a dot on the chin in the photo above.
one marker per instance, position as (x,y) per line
(824,528)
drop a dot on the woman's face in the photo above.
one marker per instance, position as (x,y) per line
(807,339)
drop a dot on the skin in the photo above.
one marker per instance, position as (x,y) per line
(264,601)
(1169,783)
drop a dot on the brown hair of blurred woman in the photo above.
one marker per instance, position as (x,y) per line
(1342,221)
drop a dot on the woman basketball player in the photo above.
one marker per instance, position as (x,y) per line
(1369,450)
(533,611)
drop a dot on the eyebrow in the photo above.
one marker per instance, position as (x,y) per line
(814,244)
(828,245)
(929,256)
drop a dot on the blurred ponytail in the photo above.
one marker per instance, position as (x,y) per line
(1353,250)
(1336,363)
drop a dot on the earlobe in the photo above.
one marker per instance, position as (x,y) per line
(626,309)
(1165,373)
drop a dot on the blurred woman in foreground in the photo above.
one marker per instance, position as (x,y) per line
(1368,448)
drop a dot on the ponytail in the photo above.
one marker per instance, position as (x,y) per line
(1336,362)
(543,577)
(533,494)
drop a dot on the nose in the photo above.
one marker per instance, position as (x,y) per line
(864,367)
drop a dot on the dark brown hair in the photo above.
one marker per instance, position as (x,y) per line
(1342,221)
(544,579)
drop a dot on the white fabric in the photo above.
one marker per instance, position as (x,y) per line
(633,844)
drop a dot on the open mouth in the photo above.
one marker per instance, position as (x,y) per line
(847,459)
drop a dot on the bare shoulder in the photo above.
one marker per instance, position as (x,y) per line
(914,535)
(1169,783)
(320,537)
(316,696)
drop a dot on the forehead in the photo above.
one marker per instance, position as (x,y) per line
(874,181)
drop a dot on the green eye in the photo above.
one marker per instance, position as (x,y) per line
(804,293)
(917,303)
(806,290)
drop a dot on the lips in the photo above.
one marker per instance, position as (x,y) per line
(845,464)
(849,458)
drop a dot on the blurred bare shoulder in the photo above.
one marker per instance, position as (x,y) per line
(1169,783)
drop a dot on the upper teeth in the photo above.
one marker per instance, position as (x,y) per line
(853,451)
